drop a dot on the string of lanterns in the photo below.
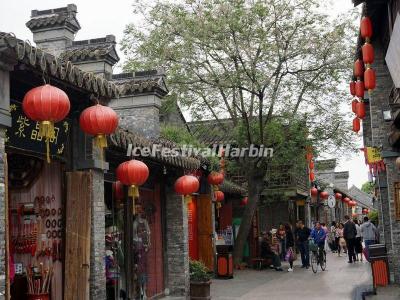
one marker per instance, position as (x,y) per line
(364,75)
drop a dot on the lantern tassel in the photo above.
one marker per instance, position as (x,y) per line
(188,199)
(46,130)
(218,207)
(100,141)
(133,191)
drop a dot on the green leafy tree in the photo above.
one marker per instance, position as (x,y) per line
(368,187)
(271,67)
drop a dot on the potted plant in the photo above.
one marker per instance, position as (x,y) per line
(199,281)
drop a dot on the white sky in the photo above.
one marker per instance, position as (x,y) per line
(102,17)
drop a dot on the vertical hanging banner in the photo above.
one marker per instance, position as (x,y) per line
(374,160)
(192,229)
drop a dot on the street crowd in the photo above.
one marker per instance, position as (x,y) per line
(350,237)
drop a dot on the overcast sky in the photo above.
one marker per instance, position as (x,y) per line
(102,17)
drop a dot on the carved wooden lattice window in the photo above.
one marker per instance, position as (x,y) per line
(397,200)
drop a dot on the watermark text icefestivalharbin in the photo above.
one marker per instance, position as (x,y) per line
(190,151)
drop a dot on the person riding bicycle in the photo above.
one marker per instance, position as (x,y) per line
(318,234)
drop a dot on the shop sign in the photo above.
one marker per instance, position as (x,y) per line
(373,155)
(24,133)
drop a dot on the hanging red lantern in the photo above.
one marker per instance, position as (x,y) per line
(132,173)
(311,165)
(314,192)
(47,105)
(360,89)
(244,201)
(324,195)
(356,125)
(187,185)
(352,88)
(366,28)
(309,156)
(346,199)
(338,196)
(354,105)
(312,176)
(99,120)
(354,215)
(219,196)
(360,110)
(118,190)
(359,68)
(370,79)
(368,53)
(215,179)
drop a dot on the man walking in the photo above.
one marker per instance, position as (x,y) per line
(368,233)
(349,234)
(302,234)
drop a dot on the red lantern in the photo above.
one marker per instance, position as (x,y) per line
(352,88)
(354,105)
(132,173)
(47,105)
(187,185)
(360,89)
(359,68)
(370,79)
(215,179)
(354,215)
(314,192)
(356,125)
(309,156)
(219,196)
(360,110)
(99,120)
(338,196)
(324,195)
(118,190)
(244,201)
(311,165)
(346,200)
(366,28)
(368,53)
(312,176)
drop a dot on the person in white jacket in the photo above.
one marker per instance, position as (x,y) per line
(368,232)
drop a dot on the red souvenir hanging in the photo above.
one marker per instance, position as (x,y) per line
(47,105)
(368,53)
(187,185)
(360,110)
(359,68)
(356,125)
(366,28)
(133,173)
(99,120)
(360,89)
(369,79)
(346,199)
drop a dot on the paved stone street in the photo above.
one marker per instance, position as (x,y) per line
(338,282)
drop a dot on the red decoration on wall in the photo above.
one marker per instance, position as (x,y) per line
(360,110)
(99,120)
(356,125)
(47,105)
(132,173)
(338,196)
(187,185)
(360,89)
(368,53)
(359,68)
(370,79)
(366,28)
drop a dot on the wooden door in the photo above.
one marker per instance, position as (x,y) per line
(77,235)
(205,230)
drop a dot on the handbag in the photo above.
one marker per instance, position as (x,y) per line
(290,255)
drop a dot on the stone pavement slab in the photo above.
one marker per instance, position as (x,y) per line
(391,292)
(338,282)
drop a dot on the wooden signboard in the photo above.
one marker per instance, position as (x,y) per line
(77,233)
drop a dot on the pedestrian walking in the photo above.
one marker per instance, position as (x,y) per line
(349,234)
(290,253)
(358,244)
(281,235)
(368,233)
(341,243)
(332,238)
(302,234)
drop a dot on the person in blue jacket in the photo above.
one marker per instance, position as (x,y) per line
(318,234)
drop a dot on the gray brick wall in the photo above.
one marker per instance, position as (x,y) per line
(144,120)
(177,248)
(2,217)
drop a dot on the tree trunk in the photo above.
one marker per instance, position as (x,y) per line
(255,186)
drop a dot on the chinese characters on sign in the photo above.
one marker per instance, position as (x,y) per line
(374,160)
(24,133)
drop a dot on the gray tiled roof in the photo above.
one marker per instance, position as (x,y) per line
(132,83)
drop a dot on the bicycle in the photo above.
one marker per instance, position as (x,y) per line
(316,258)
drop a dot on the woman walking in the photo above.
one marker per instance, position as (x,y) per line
(282,241)
(358,245)
(339,238)
(289,246)
(332,237)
